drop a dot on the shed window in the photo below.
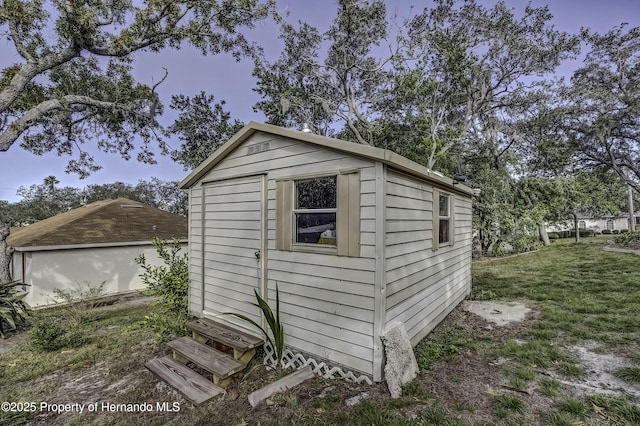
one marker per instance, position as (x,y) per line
(582,224)
(315,210)
(443,219)
(609,224)
(319,214)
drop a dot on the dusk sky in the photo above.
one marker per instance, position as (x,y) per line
(190,73)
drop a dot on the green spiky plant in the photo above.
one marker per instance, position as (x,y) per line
(273,321)
(13,308)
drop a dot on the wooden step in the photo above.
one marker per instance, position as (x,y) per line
(244,344)
(225,334)
(217,363)
(193,386)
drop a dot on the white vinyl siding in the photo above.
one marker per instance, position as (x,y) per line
(333,305)
(423,284)
(326,301)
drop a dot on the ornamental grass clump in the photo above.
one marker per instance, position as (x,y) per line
(273,322)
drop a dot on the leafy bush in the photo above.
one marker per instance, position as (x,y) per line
(78,302)
(629,237)
(170,282)
(606,232)
(583,233)
(47,334)
(615,231)
(13,309)
(553,235)
(624,231)
(525,243)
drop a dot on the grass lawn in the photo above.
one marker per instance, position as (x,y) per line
(584,328)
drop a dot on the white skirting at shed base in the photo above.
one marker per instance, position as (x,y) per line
(322,369)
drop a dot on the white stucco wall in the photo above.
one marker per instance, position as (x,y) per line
(47,270)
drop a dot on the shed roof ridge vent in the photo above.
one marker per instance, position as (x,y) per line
(131,206)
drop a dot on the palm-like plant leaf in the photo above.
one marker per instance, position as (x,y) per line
(12,306)
(273,321)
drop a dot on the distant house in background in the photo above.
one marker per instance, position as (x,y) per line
(611,222)
(95,243)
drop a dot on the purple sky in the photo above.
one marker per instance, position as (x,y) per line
(189,73)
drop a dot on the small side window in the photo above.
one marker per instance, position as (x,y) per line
(444,218)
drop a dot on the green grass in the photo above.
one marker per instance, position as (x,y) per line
(578,292)
(549,387)
(629,374)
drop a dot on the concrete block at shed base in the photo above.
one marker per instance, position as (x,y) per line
(401,366)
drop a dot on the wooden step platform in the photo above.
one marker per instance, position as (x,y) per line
(219,364)
(244,344)
(193,386)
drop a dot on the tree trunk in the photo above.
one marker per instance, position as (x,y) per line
(5,254)
(544,237)
(575,227)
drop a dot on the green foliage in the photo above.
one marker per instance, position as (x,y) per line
(49,335)
(202,127)
(170,282)
(606,232)
(485,295)
(78,302)
(444,342)
(13,310)
(629,374)
(273,322)
(83,89)
(627,238)
(615,231)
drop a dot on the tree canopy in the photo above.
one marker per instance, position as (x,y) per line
(73,85)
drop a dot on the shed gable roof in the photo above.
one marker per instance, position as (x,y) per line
(102,222)
(387,157)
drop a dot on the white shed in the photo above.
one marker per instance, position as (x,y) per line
(92,244)
(355,237)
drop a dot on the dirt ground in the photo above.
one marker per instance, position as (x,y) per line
(465,386)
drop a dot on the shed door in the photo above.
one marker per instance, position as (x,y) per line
(233,237)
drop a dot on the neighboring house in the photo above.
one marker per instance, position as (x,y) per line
(91,244)
(611,222)
(355,238)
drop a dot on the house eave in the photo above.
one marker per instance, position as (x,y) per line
(88,245)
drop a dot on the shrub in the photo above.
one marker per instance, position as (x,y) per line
(48,334)
(629,237)
(170,282)
(13,309)
(624,231)
(583,233)
(553,235)
(78,302)
(615,231)
(606,232)
(526,243)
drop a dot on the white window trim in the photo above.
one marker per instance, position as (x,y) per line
(436,219)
